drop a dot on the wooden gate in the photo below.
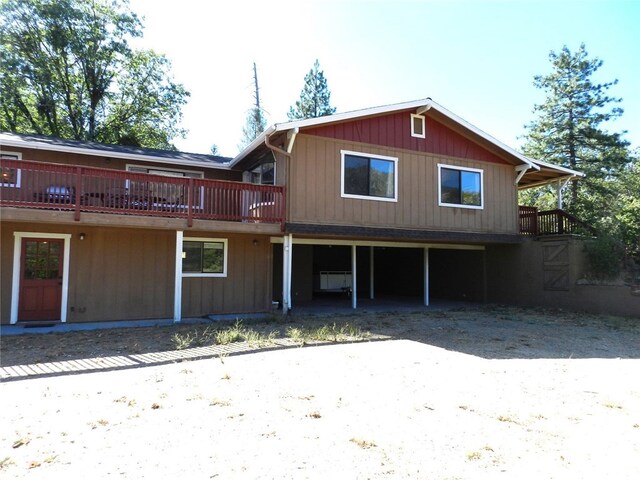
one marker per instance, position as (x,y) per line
(555,265)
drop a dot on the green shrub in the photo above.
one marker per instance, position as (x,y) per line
(605,255)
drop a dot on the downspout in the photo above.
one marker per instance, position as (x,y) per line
(273,148)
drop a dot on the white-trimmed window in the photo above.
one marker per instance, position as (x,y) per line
(165,192)
(418,126)
(11,176)
(264,174)
(460,187)
(369,177)
(204,257)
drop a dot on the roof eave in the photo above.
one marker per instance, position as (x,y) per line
(339,117)
(34,145)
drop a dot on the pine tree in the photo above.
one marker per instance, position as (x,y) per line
(568,129)
(314,97)
(256,121)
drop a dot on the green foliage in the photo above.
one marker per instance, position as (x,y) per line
(254,126)
(569,131)
(568,128)
(605,255)
(314,97)
(66,69)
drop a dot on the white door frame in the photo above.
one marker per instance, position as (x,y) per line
(17,269)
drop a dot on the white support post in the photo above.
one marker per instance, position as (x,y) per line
(287,248)
(289,299)
(426,276)
(354,293)
(371,265)
(559,191)
(177,289)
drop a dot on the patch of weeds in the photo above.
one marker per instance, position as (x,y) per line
(102,422)
(506,418)
(474,455)
(226,376)
(183,341)
(612,405)
(365,444)
(21,441)
(51,459)
(306,397)
(5,462)
(326,333)
(219,403)
(296,334)
(315,414)
(240,333)
(155,406)
(34,464)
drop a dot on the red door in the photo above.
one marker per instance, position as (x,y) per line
(41,279)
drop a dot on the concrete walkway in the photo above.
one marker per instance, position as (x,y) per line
(96,364)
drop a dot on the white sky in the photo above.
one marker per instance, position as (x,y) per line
(476,58)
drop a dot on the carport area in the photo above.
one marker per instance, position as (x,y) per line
(341,274)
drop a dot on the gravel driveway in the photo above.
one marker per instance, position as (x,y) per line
(466,393)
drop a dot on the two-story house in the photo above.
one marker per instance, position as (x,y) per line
(400,201)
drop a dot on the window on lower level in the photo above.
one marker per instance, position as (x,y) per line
(460,187)
(204,257)
(10,176)
(369,177)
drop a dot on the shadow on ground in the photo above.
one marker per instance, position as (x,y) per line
(491,332)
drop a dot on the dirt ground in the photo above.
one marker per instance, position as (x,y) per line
(464,393)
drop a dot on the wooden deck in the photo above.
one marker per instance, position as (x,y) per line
(81,189)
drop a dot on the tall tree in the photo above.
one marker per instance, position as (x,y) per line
(256,121)
(66,69)
(314,97)
(568,130)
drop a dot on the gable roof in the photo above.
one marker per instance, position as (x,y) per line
(43,142)
(536,172)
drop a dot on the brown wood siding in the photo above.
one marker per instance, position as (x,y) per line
(245,289)
(314,194)
(114,273)
(125,273)
(117,163)
(394,131)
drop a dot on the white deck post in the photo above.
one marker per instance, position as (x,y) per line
(559,190)
(354,301)
(426,276)
(287,251)
(177,289)
(371,285)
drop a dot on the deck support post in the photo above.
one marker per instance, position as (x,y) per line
(177,289)
(287,257)
(426,276)
(354,293)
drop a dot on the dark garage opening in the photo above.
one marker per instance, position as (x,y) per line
(456,275)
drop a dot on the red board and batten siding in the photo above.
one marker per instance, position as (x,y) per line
(394,131)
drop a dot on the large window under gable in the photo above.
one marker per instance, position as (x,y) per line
(460,187)
(369,177)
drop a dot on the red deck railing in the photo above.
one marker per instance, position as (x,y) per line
(87,189)
(551,222)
